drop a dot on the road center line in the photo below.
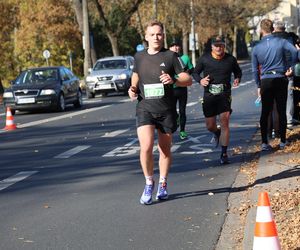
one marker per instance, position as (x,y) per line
(115,133)
(71,152)
(29,124)
(15,178)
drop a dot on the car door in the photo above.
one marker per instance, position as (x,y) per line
(74,83)
(65,84)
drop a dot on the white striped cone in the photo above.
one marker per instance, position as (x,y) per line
(9,120)
(265,235)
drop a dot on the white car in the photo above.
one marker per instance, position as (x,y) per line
(110,74)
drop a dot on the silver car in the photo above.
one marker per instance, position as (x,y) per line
(110,74)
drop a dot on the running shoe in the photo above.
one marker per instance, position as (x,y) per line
(183,135)
(216,138)
(224,159)
(265,147)
(146,198)
(162,192)
(282,145)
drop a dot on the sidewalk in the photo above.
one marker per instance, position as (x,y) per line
(278,173)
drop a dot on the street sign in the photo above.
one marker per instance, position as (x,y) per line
(46,54)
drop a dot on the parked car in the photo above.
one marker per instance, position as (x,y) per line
(110,74)
(43,88)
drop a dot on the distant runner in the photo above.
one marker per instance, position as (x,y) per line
(217,68)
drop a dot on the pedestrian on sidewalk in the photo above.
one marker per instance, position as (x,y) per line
(279,31)
(181,93)
(152,85)
(270,53)
(218,67)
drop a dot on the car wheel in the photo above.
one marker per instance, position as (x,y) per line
(90,94)
(61,105)
(78,102)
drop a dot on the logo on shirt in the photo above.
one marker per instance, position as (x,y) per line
(162,64)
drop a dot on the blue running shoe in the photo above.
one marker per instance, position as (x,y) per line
(162,192)
(146,198)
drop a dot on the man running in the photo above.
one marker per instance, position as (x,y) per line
(152,84)
(217,67)
(181,93)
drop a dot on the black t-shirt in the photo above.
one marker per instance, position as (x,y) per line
(149,68)
(219,71)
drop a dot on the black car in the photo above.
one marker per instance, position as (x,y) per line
(43,88)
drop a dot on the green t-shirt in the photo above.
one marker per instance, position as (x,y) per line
(187,65)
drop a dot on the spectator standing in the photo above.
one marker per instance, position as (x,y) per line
(152,85)
(181,93)
(270,53)
(279,31)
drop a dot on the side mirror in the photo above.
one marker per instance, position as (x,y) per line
(131,67)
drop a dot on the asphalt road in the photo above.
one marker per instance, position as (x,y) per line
(72,180)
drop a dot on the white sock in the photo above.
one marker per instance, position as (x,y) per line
(149,180)
(162,179)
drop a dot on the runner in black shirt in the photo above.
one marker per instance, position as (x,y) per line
(151,84)
(217,68)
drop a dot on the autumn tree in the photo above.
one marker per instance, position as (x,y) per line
(114,16)
(47,25)
(7,21)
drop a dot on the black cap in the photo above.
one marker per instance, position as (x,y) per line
(175,42)
(218,40)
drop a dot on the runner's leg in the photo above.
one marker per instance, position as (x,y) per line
(224,122)
(146,139)
(211,124)
(165,157)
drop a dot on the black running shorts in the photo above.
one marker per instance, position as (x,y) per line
(214,105)
(166,122)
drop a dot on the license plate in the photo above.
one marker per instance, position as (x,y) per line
(103,86)
(25,100)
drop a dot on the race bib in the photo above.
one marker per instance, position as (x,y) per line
(154,90)
(216,89)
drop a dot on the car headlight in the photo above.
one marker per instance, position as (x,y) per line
(8,95)
(90,79)
(47,92)
(122,77)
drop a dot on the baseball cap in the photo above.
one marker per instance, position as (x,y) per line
(218,40)
(279,25)
(175,42)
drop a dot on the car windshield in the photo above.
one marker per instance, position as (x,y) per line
(37,76)
(110,64)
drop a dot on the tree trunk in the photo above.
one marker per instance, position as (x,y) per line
(185,42)
(114,43)
(234,51)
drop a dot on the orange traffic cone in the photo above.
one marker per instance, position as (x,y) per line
(265,235)
(9,120)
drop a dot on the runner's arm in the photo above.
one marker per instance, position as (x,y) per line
(183,80)
(132,92)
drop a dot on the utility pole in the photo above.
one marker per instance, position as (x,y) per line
(155,9)
(193,40)
(86,38)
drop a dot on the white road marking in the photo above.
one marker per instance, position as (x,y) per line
(115,133)
(29,124)
(15,178)
(71,152)
(191,104)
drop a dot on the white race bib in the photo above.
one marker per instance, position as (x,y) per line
(154,90)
